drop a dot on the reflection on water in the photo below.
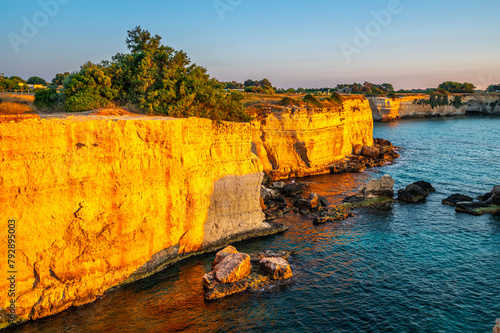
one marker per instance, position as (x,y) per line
(417,268)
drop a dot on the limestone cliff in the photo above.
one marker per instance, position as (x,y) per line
(388,109)
(294,142)
(102,201)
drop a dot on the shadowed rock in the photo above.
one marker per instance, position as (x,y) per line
(454,199)
(291,190)
(416,192)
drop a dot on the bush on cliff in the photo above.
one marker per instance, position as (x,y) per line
(337,98)
(312,101)
(155,77)
(287,101)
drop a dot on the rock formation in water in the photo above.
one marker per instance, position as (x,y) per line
(234,272)
(487,204)
(416,192)
(377,193)
(417,106)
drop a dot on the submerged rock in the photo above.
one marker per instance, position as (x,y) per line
(236,272)
(333,214)
(454,199)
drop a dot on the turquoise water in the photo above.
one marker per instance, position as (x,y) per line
(416,268)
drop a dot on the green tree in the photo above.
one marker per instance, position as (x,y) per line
(36,80)
(494,88)
(456,87)
(59,78)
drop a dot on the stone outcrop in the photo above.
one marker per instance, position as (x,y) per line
(101,201)
(416,192)
(297,142)
(382,152)
(377,188)
(258,270)
(415,106)
(454,199)
(487,204)
(232,268)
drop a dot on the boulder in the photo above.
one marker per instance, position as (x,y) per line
(291,190)
(313,203)
(278,268)
(232,268)
(265,193)
(380,188)
(412,194)
(485,197)
(370,152)
(382,142)
(278,185)
(357,149)
(454,199)
(280,200)
(496,329)
(223,253)
(323,201)
(426,186)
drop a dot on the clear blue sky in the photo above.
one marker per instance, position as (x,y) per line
(292,43)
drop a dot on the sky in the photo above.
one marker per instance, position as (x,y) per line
(315,43)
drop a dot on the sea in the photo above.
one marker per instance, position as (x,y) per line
(413,268)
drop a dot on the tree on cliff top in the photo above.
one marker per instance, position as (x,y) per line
(155,77)
(456,87)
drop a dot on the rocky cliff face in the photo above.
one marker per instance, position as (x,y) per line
(103,201)
(387,109)
(295,142)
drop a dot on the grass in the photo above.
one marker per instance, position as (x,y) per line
(16,104)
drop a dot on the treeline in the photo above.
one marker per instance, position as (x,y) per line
(153,77)
(17,83)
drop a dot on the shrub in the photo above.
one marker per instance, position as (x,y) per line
(311,100)
(336,97)
(287,101)
(84,100)
(457,102)
(47,98)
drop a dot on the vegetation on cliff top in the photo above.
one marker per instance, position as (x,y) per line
(154,77)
